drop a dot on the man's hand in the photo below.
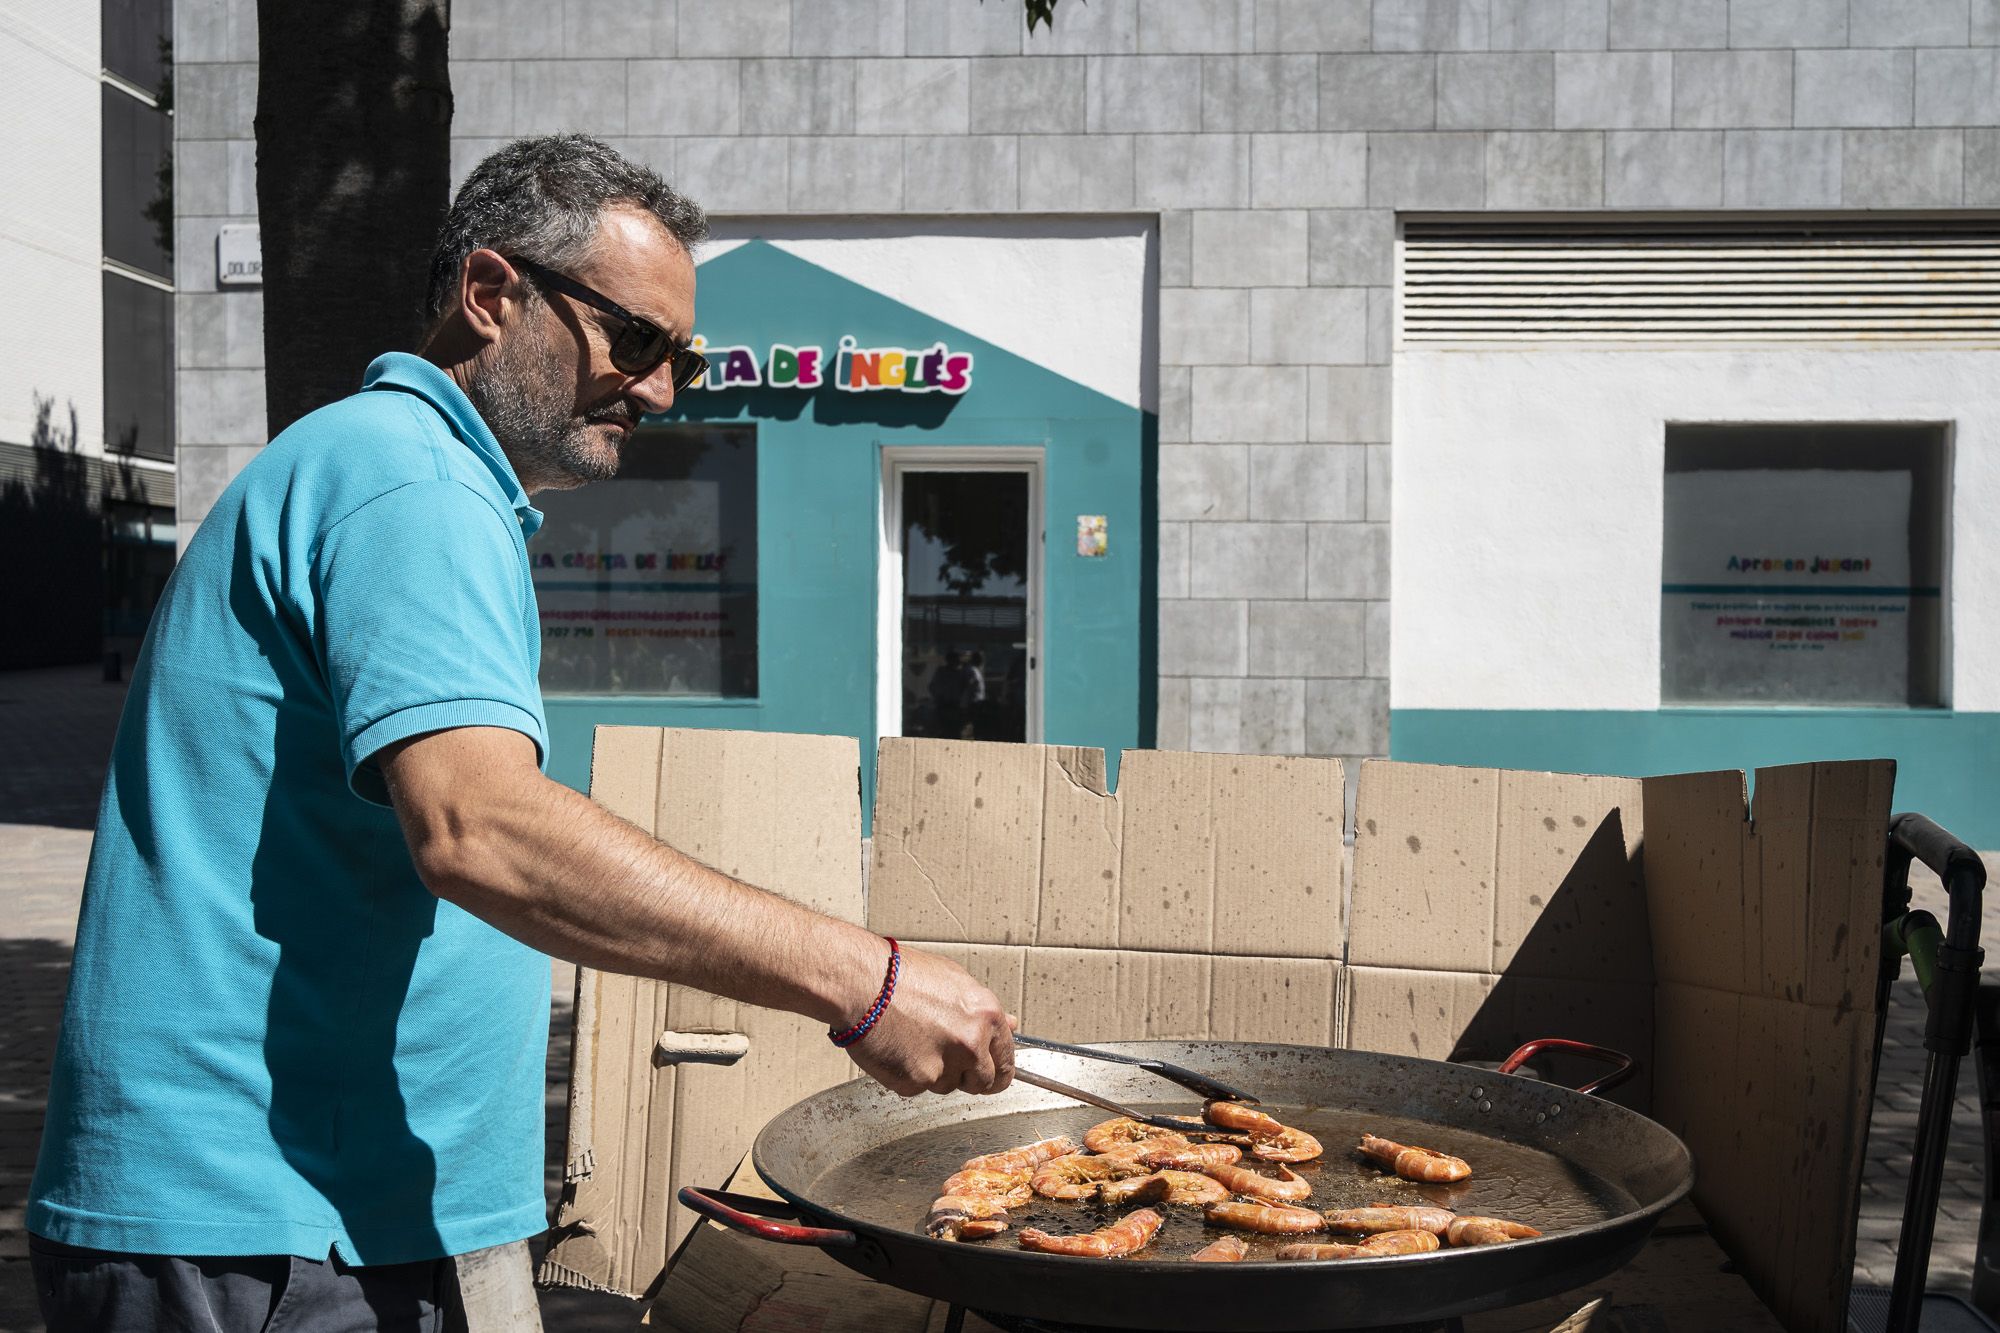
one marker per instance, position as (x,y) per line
(943,1032)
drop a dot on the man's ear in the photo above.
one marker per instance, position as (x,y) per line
(484,286)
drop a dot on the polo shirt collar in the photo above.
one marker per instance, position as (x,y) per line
(413,374)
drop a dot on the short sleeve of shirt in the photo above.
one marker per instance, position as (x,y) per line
(424,624)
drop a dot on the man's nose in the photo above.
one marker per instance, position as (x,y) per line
(655,392)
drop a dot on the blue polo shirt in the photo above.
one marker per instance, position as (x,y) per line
(277,1040)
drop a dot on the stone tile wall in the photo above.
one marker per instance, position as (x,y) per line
(1274,139)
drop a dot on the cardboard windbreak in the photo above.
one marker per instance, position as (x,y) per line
(1206,898)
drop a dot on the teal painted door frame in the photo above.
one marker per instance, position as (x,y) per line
(819,478)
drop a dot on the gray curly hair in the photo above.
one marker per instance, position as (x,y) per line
(540,198)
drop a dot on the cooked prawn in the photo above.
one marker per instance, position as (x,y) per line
(1223,1250)
(1025,1158)
(1383,1217)
(1487,1231)
(1107,1137)
(1272,1219)
(1194,1157)
(966,1217)
(1288,1145)
(1009,1186)
(1237,1116)
(1187,1187)
(1375,1247)
(1127,1234)
(1285,1187)
(1077,1176)
(1319,1250)
(1423,1164)
(1201,1131)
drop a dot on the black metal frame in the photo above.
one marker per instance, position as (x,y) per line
(1947,964)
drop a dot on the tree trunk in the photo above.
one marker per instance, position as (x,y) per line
(353,178)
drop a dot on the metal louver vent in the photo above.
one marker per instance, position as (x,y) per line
(1527,282)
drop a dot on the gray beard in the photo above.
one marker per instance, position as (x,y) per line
(525,398)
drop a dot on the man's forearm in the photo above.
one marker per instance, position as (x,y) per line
(556,871)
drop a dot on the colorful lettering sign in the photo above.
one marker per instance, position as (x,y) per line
(852,368)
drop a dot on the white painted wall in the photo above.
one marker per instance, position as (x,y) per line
(1072,295)
(51,226)
(1526,534)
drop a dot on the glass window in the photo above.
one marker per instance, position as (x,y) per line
(138,368)
(135,37)
(648,582)
(137,141)
(965,604)
(1803,565)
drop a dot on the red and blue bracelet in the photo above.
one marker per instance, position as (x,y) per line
(868,1020)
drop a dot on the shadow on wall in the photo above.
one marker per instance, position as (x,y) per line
(53,534)
(1583,971)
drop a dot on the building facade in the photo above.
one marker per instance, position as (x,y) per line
(86,349)
(1619,291)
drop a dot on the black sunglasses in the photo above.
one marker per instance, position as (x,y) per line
(640,345)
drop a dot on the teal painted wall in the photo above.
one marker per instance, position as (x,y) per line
(819,469)
(1947,764)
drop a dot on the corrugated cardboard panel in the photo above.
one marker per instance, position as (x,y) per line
(1277,856)
(1570,895)
(1082,831)
(1482,1016)
(1424,864)
(1111,994)
(779,812)
(1696,834)
(1273,999)
(958,841)
(1167,887)
(1764,937)
(718,1109)
(1231,854)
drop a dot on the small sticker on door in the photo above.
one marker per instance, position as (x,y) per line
(1090,535)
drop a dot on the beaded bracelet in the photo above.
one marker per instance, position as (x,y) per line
(868,1020)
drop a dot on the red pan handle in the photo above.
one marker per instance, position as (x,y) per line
(751,1217)
(1530,1049)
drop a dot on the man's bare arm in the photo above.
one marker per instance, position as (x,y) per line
(553,869)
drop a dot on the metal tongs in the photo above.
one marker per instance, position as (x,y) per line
(1208,1089)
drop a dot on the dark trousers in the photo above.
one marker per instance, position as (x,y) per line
(99,1291)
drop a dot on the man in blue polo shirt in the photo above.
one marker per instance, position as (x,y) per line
(301,1063)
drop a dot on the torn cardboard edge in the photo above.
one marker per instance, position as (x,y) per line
(1556,888)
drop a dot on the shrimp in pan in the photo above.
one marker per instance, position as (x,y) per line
(1245,1119)
(1383,1217)
(1224,1250)
(966,1217)
(1128,1233)
(1187,1187)
(1375,1247)
(1193,1157)
(1285,1187)
(1022,1159)
(1009,1186)
(1272,1219)
(1422,1164)
(1288,1145)
(1112,1135)
(1078,1175)
(1487,1231)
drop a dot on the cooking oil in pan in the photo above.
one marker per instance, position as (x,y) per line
(892,1186)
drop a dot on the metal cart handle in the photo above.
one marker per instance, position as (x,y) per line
(1530,1049)
(750,1216)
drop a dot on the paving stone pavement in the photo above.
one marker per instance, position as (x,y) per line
(56,727)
